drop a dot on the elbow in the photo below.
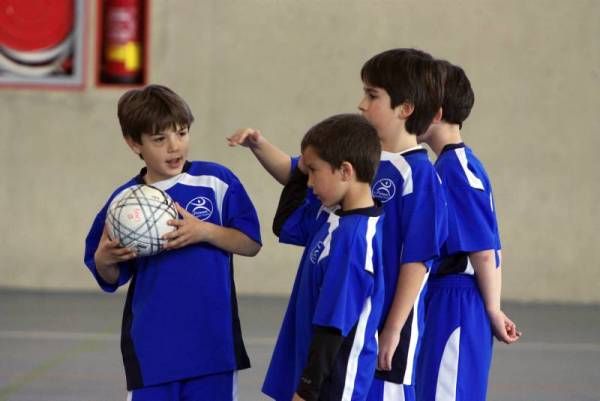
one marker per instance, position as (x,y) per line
(253,249)
(483,257)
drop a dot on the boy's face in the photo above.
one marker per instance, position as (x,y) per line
(376,107)
(164,153)
(326,182)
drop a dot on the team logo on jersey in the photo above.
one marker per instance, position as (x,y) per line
(201,207)
(384,190)
(316,252)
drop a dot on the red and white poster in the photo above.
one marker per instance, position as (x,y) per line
(42,43)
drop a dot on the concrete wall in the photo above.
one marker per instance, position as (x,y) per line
(282,65)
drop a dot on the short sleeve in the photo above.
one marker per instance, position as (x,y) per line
(424,219)
(239,212)
(294,160)
(472,221)
(346,286)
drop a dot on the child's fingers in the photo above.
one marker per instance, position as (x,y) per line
(184,213)
(123,254)
(384,360)
(175,223)
(241,135)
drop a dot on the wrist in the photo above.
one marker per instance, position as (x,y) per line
(492,309)
(208,232)
(258,144)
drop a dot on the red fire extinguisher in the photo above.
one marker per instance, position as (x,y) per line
(122,46)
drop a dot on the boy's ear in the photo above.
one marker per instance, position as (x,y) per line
(136,147)
(347,171)
(438,117)
(404,110)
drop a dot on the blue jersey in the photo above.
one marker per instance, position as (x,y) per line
(472,224)
(180,318)
(414,229)
(339,285)
(457,344)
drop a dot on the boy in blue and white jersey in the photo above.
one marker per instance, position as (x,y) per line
(402,96)
(327,346)
(463,300)
(181,336)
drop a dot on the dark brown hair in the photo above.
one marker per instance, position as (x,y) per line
(408,75)
(151,110)
(346,138)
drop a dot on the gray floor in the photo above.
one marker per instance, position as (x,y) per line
(65,347)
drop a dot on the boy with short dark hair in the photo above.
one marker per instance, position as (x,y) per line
(181,336)
(463,300)
(327,348)
(403,95)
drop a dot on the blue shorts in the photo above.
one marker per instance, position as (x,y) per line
(387,391)
(218,387)
(456,352)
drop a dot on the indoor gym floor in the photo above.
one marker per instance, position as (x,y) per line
(65,347)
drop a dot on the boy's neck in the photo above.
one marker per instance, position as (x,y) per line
(444,134)
(358,196)
(399,143)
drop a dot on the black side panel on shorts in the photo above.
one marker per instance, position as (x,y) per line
(241,356)
(133,372)
(333,386)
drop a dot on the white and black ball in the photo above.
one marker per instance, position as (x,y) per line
(137,217)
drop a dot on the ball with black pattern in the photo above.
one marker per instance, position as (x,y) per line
(138,217)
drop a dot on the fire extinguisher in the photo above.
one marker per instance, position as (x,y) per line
(122,42)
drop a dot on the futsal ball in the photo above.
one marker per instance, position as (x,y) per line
(137,217)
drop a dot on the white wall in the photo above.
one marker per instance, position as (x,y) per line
(283,65)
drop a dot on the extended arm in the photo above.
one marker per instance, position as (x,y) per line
(410,280)
(274,160)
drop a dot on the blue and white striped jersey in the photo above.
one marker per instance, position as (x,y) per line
(180,319)
(339,284)
(414,230)
(472,224)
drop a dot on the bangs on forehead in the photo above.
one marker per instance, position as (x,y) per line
(372,73)
(166,125)
(169,121)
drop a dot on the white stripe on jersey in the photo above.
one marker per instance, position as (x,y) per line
(210,181)
(334,221)
(357,346)
(448,374)
(469,269)
(414,335)
(371,224)
(129,395)
(234,386)
(393,391)
(473,180)
(404,168)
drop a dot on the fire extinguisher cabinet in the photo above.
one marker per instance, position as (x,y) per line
(123,42)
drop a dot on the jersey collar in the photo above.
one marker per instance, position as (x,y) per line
(385,155)
(371,211)
(452,146)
